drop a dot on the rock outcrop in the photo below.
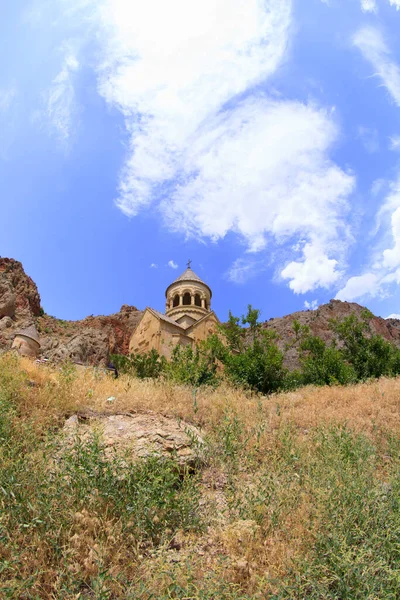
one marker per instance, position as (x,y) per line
(142,434)
(20,290)
(90,341)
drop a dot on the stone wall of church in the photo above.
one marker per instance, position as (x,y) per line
(146,336)
(153,333)
(201,331)
(171,337)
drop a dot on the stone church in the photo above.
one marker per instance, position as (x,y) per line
(188,317)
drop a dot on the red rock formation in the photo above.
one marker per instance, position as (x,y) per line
(27,299)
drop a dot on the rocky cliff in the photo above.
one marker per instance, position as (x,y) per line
(89,341)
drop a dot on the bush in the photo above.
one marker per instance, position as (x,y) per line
(148,364)
(323,365)
(368,353)
(195,366)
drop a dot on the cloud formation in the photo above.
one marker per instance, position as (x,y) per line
(373,47)
(369,6)
(313,305)
(60,99)
(172,264)
(385,271)
(223,157)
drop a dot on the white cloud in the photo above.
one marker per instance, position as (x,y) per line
(259,168)
(231,158)
(313,305)
(243,269)
(315,270)
(60,98)
(385,271)
(372,45)
(369,6)
(391,256)
(153,266)
(395,3)
(393,316)
(395,143)
(172,264)
(6,98)
(357,287)
(168,75)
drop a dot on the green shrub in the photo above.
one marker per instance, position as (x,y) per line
(148,364)
(368,353)
(195,366)
(322,364)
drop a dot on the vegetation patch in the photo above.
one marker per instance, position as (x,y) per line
(297,495)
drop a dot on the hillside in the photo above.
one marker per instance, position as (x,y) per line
(291,496)
(318,321)
(89,341)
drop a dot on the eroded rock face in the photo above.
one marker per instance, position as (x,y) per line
(5,323)
(142,434)
(7,299)
(90,341)
(23,288)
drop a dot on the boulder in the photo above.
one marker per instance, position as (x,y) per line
(5,323)
(142,434)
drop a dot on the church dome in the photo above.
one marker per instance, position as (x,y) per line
(188,298)
(190,276)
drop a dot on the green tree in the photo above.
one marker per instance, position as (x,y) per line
(368,353)
(322,364)
(254,359)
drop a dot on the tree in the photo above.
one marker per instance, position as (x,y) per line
(254,359)
(368,353)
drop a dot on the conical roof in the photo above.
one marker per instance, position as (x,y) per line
(188,275)
(29,332)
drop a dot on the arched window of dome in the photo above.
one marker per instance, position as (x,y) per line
(197,300)
(176,300)
(187,299)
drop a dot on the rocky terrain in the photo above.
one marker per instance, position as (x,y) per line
(319,320)
(93,339)
(89,341)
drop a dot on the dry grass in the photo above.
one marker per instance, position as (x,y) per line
(367,408)
(277,468)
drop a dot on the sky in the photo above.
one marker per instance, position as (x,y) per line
(260,139)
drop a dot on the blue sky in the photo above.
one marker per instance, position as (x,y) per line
(259,139)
